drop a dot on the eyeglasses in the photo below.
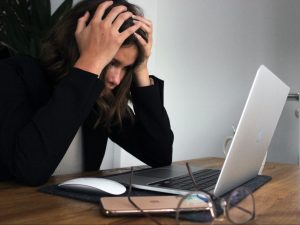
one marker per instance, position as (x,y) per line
(238,207)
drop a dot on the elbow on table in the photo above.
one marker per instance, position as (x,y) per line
(34,180)
(31,175)
(163,161)
(167,150)
(165,156)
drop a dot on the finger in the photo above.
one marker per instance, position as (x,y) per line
(146,28)
(121,19)
(142,19)
(114,13)
(81,23)
(101,10)
(129,31)
(141,39)
(148,31)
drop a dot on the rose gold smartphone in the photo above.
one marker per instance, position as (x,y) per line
(112,206)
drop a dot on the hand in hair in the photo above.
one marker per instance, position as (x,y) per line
(99,41)
(141,71)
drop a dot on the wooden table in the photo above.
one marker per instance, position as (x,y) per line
(277,202)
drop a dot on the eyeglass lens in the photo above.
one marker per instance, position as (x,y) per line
(240,207)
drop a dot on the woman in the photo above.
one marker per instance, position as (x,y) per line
(92,63)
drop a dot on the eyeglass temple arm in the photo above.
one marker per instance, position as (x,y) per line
(212,207)
(135,205)
(192,176)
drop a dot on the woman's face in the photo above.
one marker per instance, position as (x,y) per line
(117,69)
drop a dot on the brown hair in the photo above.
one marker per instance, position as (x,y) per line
(59,52)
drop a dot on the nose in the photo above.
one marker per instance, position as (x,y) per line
(115,76)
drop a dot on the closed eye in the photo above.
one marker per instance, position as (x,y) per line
(113,63)
(116,63)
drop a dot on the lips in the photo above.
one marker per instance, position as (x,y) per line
(110,85)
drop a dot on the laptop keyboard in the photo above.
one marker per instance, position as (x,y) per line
(206,180)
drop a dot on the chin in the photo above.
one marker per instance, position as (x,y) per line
(110,88)
(107,87)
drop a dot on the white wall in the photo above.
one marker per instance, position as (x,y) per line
(208,51)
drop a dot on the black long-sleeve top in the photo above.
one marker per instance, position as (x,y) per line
(38,123)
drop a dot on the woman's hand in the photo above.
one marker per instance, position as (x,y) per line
(99,41)
(141,71)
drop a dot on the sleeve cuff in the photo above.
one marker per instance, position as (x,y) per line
(141,94)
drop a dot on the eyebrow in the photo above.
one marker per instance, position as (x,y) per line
(115,61)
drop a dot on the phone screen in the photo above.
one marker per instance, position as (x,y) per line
(150,204)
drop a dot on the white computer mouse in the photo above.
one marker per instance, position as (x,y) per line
(94,184)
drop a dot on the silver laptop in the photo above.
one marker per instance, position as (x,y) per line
(251,141)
